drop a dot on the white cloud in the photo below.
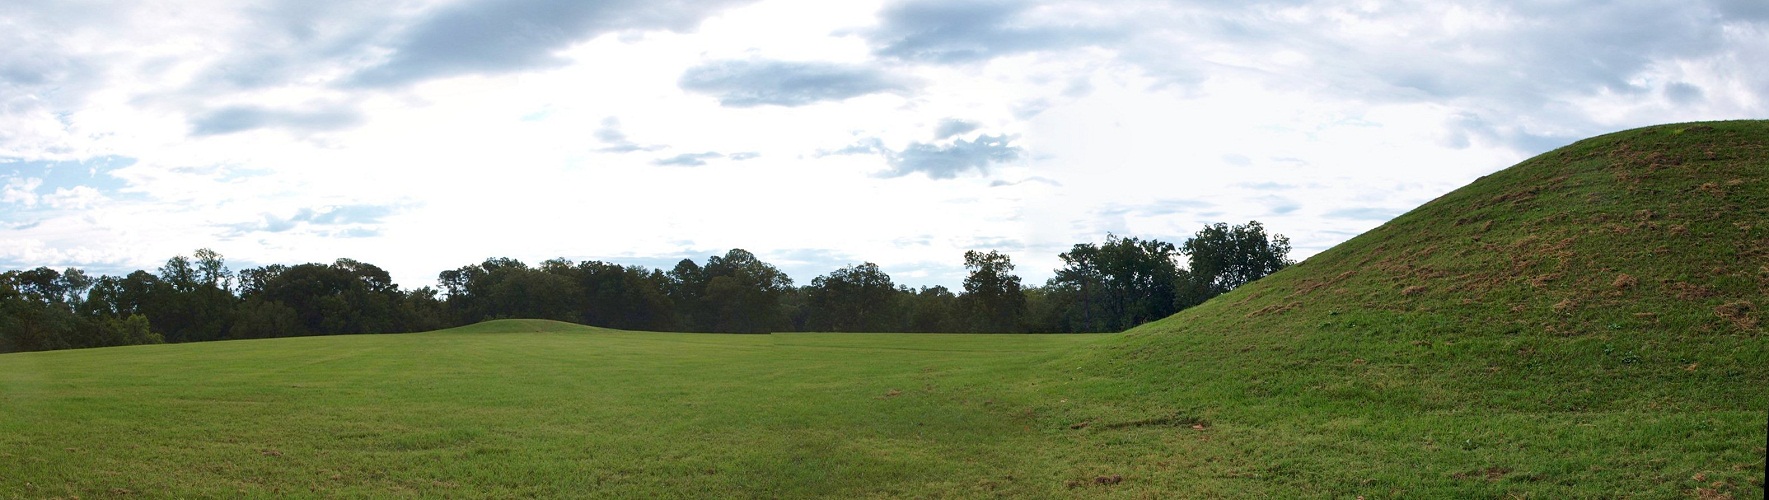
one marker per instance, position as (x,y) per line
(746,83)
(436,134)
(75,198)
(21,190)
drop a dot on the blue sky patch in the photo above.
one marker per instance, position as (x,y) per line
(93,173)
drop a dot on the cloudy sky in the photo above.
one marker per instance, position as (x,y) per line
(427,135)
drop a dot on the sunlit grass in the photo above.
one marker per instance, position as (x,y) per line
(1587,323)
(562,411)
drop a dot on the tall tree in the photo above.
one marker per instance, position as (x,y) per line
(930,309)
(185,305)
(347,296)
(477,293)
(992,298)
(41,284)
(743,294)
(31,316)
(686,287)
(534,293)
(628,298)
(422,310)
(179,274)
(212,270)
(76,284)
(1224,257)
(853,299)
(256,318)
(1116,285)
(42,309)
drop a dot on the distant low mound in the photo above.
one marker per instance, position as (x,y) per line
(523,326)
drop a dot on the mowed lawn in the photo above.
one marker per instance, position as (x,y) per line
(542,409)
(539,409)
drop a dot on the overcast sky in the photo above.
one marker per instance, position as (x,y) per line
(428,135)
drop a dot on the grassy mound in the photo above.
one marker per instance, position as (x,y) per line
(1588,322)
(523,326)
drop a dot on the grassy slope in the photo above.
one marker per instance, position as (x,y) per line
(1589,322)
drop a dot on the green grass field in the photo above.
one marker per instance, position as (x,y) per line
(1587,324)
(535,408)
(530,408)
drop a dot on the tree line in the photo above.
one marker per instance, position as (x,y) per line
(1109,286)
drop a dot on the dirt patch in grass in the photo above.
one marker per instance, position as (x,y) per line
(1176,420)
(1566,304)
(1096,481)
(1711,494)
(1309,286)
(1544,280)
(1516,197)
(1739,313)
(1712,188)
(1275,309)
(1490,474)
(1688,291)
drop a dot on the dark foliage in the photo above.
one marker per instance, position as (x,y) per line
(1101,287)
(1114,286)
(992,301)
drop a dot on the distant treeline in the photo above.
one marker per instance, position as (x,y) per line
(1100,288)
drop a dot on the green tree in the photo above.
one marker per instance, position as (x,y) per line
(42,284)
(853,299)
(212,270)
(76,284)
(422,310)
(743,294)
(1045,310)
(930,309)
(1224,257)
(347,296)
(179,274)
(476,293)
(534,293)
(992,300)
(133,330)
(42,309)
(31,316)
(624,297)
(186,305)
(257,318)
(686,288)
(1116,285)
